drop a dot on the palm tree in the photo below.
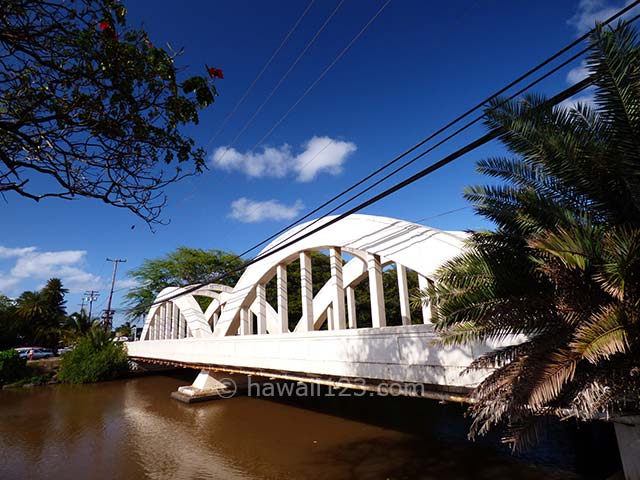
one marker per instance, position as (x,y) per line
(562,266)
(77,325)
(124,330)
(43,313)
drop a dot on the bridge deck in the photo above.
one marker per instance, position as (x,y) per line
(405,354)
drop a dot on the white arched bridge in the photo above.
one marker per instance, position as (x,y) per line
(242,333)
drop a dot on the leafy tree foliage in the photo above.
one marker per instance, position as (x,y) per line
(34,318)
(9,323)
(563,264)
(12,367)
(125,330)
(184,266)
(95,358)
(90,107)
(76,326)
(42,313)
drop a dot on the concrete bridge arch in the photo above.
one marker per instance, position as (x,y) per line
(372,242)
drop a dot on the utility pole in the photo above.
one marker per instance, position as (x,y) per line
(115,261)
(82,306)
(92,296)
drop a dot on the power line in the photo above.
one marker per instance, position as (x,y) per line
(567,93)
(277,86)
(448,212)
(92,296)
(295,104)
(256,206)
(257,77)
(491,135)
(447,126)
(115,261)
(282,79)
(322,74)
(433,147)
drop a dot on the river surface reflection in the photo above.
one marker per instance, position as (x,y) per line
(131,429)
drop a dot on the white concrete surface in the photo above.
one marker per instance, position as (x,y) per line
(628,435)
(400,354)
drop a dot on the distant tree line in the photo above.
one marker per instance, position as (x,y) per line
(40,318)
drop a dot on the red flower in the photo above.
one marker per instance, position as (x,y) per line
(108,30)
(215,72)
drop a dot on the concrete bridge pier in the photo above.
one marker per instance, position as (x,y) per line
(211,385)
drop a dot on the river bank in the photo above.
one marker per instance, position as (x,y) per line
(37,373)
(132,429)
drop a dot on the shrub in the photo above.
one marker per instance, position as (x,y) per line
(95,358)
(12,367)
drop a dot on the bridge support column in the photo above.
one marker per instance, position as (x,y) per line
(181,325)
(245,321)
(423,284)
(167,321)
(211,386)
(156,325)
(283,305)
(159,325)
(261,298)
(174,321)
(163,322)
(306,292)
(403,290)
(151,334)
(339,322)
(351,307)
(376,290)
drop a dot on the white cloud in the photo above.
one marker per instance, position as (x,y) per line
(251,211)
(578,73)
(319,155)
(126,283)
(32,265)
(574,76)
(7,283)
(322,154)
(272,162)
(592,11)
(14,252)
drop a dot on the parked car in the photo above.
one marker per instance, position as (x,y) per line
(64,350)
(34,353)
(23,351)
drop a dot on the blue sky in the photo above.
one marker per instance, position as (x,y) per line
(418,65)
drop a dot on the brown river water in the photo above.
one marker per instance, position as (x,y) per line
(132,429)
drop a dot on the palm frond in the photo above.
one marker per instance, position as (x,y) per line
(604,336)
(621,267)
(558,371)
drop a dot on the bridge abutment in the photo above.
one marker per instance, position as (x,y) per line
(628,435)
